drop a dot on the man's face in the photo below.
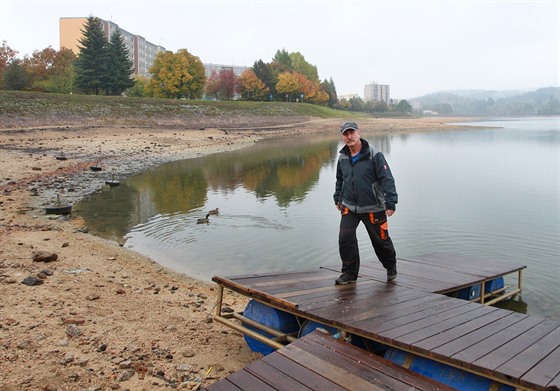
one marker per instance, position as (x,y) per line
(351,137)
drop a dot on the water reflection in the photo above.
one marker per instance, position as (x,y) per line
(486,193)
(284,170)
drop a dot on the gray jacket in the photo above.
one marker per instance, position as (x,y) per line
(367,185)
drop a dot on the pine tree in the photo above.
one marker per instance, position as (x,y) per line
(119,66)
(91,65)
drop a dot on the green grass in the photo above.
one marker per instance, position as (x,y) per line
(33,104)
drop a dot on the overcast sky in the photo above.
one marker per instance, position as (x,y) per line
(417,47)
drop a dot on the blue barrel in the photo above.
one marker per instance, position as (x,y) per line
(371,346)
(446,374)
(469,293)
(309,326)
(494,285)
(271,317)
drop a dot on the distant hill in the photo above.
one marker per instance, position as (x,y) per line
(544,101)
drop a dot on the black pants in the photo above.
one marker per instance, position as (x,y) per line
(376,227)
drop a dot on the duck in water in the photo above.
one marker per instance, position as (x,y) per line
(204,220)
(214,211)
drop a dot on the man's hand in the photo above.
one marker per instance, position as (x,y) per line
(389,212)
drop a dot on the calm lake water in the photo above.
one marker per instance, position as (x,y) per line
(491,193)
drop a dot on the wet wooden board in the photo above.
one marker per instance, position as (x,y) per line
(514,348)
(320,362)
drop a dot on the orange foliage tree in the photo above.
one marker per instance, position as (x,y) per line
(251,87)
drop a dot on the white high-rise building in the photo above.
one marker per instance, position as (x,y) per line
(377,92)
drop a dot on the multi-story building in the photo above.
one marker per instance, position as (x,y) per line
(377,92)
(141,52)
(237,69)
(348,96)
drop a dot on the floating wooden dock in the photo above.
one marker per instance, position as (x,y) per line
(320,362)
(412,314)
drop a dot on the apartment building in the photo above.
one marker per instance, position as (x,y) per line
(377,92)
(237,69)
(141,52)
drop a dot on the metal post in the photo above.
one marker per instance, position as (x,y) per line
(219,300)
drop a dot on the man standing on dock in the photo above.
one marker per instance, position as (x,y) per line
(365,191)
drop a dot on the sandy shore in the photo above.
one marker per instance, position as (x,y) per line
(99,316)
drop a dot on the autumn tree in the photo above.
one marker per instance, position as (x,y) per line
(290,85)
(7,54)
(119,66)
(251,87)
(179,75)
(212,86)
(51,70)
(222,84)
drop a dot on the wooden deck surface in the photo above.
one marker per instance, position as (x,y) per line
(513,348)
(439,272)
(320,362)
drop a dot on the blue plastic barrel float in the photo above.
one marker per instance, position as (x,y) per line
(469,293)
(446,374)
(494,285)
(309,326)
(473,292)
(375,347)
(270,317)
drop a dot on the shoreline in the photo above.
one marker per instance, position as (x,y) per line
(103,315)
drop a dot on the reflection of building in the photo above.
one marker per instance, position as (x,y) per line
(377,92)
(141,52)
(237,69)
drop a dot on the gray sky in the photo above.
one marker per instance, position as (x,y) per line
(417,47)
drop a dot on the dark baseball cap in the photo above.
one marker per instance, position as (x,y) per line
(348,125)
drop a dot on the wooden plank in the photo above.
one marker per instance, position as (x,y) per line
(369,366)
(335,295)
(554,383)
(300,373)
(360,304)
(373,319)
(271,286)
(470,311)
(415,316)
(334,373)
(467,340)
(222,385)
(447,336)
(247,382)
(274,377)
(247,278)
(284,304)
(545,372)
(527,359)
(493,342)
(516,345)
(428,321)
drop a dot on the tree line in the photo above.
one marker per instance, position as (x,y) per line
(104,68)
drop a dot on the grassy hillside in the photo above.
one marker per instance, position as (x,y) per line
(17,108)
